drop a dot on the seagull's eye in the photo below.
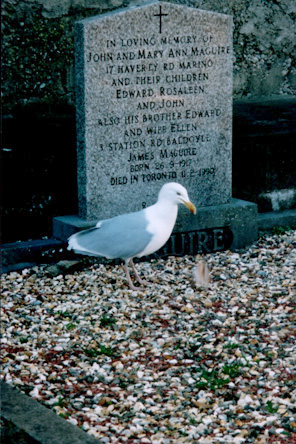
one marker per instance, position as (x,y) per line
(178,193)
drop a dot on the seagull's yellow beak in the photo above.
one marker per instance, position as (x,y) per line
(190,206)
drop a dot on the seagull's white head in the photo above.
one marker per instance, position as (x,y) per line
(176,193)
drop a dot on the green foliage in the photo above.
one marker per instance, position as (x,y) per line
(231,345)
(65,314)
(91,352)
(107,321)
(232,370)
(271,408)
(23,340)
(211,380)
(101,350)
(214,378)
(71,326)
(106,350)
(282,229)
(60,403)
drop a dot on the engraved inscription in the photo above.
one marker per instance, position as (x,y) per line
(160,15)
(198,242)
(154,111)
(160,87)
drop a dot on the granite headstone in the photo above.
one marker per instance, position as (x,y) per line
(154,105)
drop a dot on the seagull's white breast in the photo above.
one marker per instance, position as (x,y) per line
(161,221)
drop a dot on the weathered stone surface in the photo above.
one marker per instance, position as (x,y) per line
(38,423)
(63,267)
(154,105)
(65,226)
(18,255)
(277,221)
(263,46)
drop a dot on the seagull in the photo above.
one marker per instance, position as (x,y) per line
(134,234)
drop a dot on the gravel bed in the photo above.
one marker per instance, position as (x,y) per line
(171,364)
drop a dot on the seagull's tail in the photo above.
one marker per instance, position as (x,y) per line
(75,245)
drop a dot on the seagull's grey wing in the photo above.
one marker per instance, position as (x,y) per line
(123,237)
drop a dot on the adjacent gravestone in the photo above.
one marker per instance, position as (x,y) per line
(154,105)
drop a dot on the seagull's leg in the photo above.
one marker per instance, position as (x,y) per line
(141,281)
(127,273)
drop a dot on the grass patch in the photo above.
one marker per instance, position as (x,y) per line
(60,403)
(210,379)
(23,340)
(101,350)
(283,229)
(107,321)
(231,345)
(271,408)
(232,370)
(71,326)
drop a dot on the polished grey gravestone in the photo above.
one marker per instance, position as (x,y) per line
(154,105)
